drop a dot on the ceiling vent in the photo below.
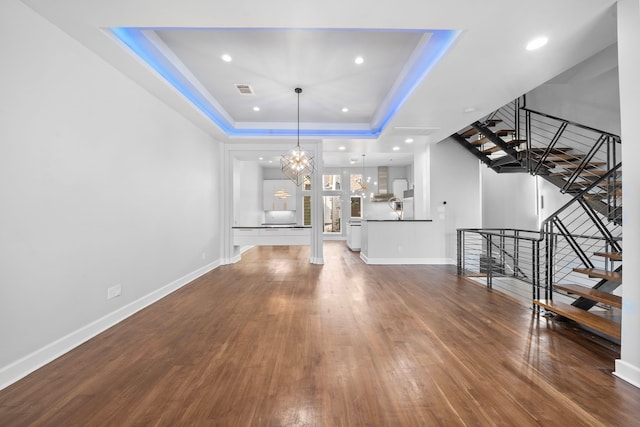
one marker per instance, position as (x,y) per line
(245,89)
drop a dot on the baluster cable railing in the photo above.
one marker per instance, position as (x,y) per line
(583,162)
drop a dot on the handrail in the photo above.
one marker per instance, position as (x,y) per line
(580,194)
(482,230)
(571,123)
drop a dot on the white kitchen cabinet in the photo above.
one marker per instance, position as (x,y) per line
(354,235)
(273,203)
(258,236)
(399,185)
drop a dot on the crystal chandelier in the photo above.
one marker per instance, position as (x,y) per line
(297,164)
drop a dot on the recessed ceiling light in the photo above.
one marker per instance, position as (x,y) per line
(226,57)
(396,148)
(260,158)
(408,140)
(353,162)
(270,161)
(342,148)
(537,43)
(469,109)
(359,60)
(256,108)
(345,109)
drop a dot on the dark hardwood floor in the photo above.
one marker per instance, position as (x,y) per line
(276,341)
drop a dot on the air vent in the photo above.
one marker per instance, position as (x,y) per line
(245,89)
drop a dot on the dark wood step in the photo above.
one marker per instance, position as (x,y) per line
(613,276)
(492,122)
(491,150)
(576,165)
(469,132)
(616,256)
(599,323)
(480,141)
(555,150)
(603,184)
(592,294)
(604,196)
(586,174)
(504,132)
(558,157)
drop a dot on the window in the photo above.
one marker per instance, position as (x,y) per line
(306,213)
(331,208)
(356,207)
(306,183)
(331,182)
(354,184)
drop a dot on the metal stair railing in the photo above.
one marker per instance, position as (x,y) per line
(508,258)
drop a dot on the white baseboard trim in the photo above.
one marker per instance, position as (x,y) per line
(627,372)
(406,261)
(317,260)
(21,368)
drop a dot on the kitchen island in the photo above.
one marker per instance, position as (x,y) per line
(402,242)
(272,235)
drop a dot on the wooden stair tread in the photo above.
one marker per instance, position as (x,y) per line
(555,150)
(575,165)
(480,141)
(616,256)
(592,294)
(469,132)
(486,140)
(504,132)
(603,196)
(613,276)
(593,173)
(491,150)
(492,122)
(604,184)
(584,317)
(557,156)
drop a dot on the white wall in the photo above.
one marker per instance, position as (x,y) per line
(248,209)
(628,366)
(100,183)
(587,93)
(454,180)
(508,200)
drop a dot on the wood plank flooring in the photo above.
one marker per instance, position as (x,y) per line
(276,341)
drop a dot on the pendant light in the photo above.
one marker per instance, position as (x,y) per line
(297,164)
(361,182)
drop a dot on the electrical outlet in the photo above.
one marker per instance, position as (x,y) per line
(114,291)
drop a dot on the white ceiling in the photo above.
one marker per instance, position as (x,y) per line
(282,44)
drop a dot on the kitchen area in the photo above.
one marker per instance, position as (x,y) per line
(370,209)
(427,198)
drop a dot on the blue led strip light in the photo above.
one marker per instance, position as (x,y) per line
(135,39)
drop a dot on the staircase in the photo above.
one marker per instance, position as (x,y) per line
(580,244)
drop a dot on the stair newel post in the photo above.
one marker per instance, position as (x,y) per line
(516,112)
(460,254)
(535,262)
(516,252)
(502,249)
(549,244)
(489,262)
(527,124)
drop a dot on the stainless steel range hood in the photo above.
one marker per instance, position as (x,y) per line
(383,194)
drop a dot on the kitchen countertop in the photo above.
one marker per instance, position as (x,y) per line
(273,226)
(400,220)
